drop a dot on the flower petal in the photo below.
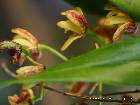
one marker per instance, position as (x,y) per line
(31,48)
(71,39)
(76,17)
(119,30)
(68,25)
(25,43)
(115,20)
(79,10)
(25,34)
(131,28)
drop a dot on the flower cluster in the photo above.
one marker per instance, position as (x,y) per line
(23,41)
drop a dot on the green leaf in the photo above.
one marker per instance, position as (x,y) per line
(114,64)
(132,7)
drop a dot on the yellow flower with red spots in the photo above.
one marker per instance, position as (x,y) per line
(111,27)
(76,23)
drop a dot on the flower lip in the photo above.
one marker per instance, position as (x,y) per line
(13,49)
(131,29)
(24,96)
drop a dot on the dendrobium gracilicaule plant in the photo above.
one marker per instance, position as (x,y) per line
(25,46)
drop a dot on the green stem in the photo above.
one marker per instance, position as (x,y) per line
(100,91)
(55,52)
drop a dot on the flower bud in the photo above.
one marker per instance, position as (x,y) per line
(27,71)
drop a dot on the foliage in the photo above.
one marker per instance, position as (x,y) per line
(113,64)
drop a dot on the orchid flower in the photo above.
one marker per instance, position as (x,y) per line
(28,41)
(76,23)
(116,22)
(24,99)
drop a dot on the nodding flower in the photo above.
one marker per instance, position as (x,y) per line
(76,23)
(28,41)
(111,27)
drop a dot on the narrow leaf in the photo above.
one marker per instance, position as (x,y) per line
(113,64)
